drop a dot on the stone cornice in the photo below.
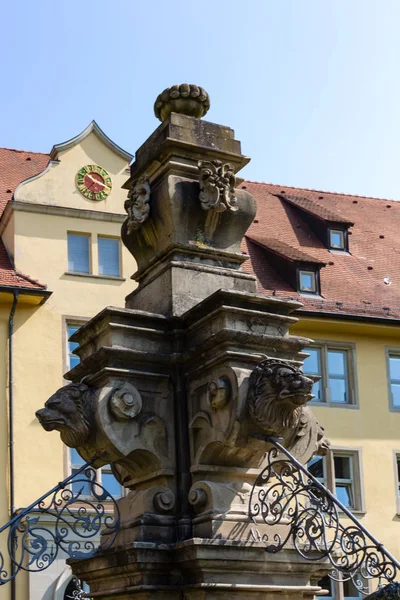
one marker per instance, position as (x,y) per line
(59,211)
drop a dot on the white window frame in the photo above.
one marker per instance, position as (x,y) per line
(355,454)
(351,373)
(391,352)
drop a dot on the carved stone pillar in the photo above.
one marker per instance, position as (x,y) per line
(179,384)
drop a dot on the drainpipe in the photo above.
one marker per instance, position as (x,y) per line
(11,420)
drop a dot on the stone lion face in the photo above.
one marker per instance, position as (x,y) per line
(69,411)
(292,385)
(277,392)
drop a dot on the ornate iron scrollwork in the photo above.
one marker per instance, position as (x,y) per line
(287,494)
(78,519)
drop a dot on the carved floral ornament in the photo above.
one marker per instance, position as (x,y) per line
(217,186)
(138,203)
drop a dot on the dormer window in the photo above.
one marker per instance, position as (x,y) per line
(308,281)
(337,239)
(330,227)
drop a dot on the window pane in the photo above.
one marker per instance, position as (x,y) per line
(343,492)
(395,387)
(108,249)
(75,458)
(78,253)
(81,484)
(336,362)
(307,281)
(71,330)
(316,467)
(394,366)
(112,486)
(337,239)
(312,364)
(342,467)
(338,390)
(73,360)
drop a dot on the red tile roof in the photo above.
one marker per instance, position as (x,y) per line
(11,278)
(16,166)
(315,208)
(351,283)
(289,252)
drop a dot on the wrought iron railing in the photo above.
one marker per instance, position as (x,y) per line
(287,494)
(77,518)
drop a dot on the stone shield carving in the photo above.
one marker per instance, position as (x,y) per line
(138,203)
(217,186)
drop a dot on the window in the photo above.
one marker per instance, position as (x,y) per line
(78,252)
(337,239)
(73,360)
(394,378)
(340,471)
(344,480)
(103,475)
(109,256)
(307,281)
(335,367)
(340,590)
(317,467)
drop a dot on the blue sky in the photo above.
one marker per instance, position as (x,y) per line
(311,87)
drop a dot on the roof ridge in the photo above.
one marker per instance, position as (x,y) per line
(24,151)
(293,187)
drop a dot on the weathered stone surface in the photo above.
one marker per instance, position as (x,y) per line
(187,99)
(179,384)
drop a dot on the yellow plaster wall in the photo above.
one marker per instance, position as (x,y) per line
(41,251)
(40,241)
(57,186)
(371,427)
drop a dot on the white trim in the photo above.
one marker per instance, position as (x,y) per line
(91,128)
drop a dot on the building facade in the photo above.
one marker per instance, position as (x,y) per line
(61,220)
(61,262)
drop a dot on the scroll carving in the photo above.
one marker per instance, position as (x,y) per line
(126,402)
(138,203)
(217,186)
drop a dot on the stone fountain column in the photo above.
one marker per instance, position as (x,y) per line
(181,379)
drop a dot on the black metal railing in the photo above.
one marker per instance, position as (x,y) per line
(77,518)
(287,494)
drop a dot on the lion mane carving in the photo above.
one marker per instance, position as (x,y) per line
(69,411)
(276,397)
(277,393)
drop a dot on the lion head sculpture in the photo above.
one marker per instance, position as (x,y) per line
(277,393)
(69,411)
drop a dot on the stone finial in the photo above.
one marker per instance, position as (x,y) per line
(186,99)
